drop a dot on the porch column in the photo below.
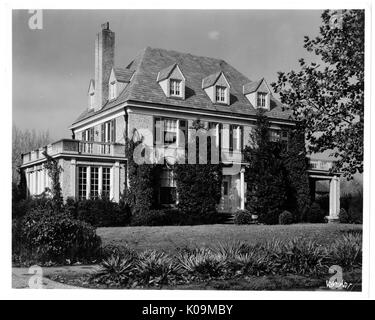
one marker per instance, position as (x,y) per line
(116,182)
(73,180)
(242,188)
(334,199)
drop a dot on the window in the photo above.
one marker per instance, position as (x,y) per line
(89,182)
(279,135)
(82,182)
(94,183)
(261,101)
(112,90)
(175,87)
(165,131)
(221,94)
(108,130)
(106,180)
(231,138)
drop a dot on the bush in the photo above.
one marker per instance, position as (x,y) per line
(343,216)
(155,267)
(202,262)
(22,207)
(285,218)
(115,270)
(346,251)
(315,214)
(242,217)
(56,237)
(99,212)
(174,217)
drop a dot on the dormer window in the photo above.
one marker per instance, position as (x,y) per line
(258,93)
(118,80)
(112,90)
(261,99)
(217,88)
(221,94)
(175,87)
(172,81)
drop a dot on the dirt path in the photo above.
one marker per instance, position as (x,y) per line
(36,277)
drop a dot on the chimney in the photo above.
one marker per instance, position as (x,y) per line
(104,61)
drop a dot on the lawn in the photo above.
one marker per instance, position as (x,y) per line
(169,238)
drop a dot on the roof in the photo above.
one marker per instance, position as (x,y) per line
(164,74)
(145,88)
(123,74)
(210,80)
(251,86)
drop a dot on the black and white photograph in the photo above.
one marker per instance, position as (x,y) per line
(195,151)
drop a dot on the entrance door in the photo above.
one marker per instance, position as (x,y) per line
(226,194)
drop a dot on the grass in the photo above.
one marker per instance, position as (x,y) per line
(170,238)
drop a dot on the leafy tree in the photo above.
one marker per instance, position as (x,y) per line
(265,176)
(24,141)
(328,94)
(295,164)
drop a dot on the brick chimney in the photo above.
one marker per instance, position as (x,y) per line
(104,61)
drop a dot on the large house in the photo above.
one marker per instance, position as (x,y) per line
(158,96)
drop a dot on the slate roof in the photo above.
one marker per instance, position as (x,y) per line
(145,88)
(123,74)
(210,80)
(164,74)
(251,86)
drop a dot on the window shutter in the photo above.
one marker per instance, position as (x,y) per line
(113,130)
(91,134)
(157,131)
(103,132)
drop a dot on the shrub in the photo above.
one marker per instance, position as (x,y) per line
(242,217)
(150,218)
(346,251)
(49,236)
(202,262)
(22,207)
(315,214)
(115,270)
(285,218)
(297,256)
(343,216)
(154,267)
(99,212)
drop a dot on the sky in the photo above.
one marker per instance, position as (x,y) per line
(52,66)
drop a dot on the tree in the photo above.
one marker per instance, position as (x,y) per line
(24,141)
(328,94)
(265,175)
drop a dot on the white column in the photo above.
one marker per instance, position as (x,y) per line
(242,188)
(100,181)
(88,182)
(116,182)
(73,179)
(334,199)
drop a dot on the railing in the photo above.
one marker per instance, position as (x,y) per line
(320,165)
(70,146)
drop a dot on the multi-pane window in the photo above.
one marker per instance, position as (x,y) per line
(261,99)
(106,181)
(279,135)
(112,90)
(221,94)
(175,87)
(108,135)
(94,183)
(82,182)
(165,131)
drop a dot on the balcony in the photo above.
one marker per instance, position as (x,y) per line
(320,165)
(75,147)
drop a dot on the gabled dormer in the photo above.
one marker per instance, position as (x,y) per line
(217,88)
(258,93)
(118,80)
(91,94)
(172,81)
